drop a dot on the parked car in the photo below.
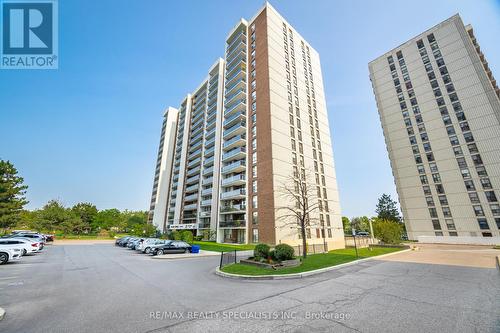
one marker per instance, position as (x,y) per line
(49,238)
(7,255)
(25,244)
(172,247)
(150,243)
(132,244)
(123,241)
(362,233)
(39,238)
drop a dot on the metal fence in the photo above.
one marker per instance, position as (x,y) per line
(361,241)
(233,257)
(311,249)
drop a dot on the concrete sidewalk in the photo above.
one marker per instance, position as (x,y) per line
(449,254)
(202,254)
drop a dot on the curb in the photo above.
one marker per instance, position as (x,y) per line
(2,313)
(300,275)
(166,257)
(498,262)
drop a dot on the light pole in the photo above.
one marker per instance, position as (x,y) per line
(354,237)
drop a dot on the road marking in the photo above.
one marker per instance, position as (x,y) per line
(9,277)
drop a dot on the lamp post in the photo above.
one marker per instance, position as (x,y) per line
(354,237)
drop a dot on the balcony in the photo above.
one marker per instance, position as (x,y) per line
(208,171)
(207,191)
(233,78)
(235,154)
(235,130)
(234,180)
(236,141)
(208,161)
(193,172)
(237,37)
(192,188)
(207,181)
(238,84)
(207,202)
(236,63)
(232,224)
(192,180)
(234,194)
(234,48)
(205,214)
(195,154)
(233,208)
(233,119)
(191,197)
(209,143)
(194,163)
(234,167)
(241,92)
(209,151)
(237,106)
(191,207)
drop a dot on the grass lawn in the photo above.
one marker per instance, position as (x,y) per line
(217,247)
(88,237)
(313,261)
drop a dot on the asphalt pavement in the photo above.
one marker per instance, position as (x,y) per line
(103,288)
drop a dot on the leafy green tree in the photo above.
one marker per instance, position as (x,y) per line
(87,213)
(347,225)
(361,223)
(387,209)
(388,231)
(107,219)
(187,236)
(12,195)
(54,216)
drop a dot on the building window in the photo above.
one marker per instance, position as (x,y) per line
(430,201)
(474,198)
(436,225)
(255,235)
(443,200)
(483,224)
(438,233)
(485,182)
(495,209)
(487,234)
(254,186)
(446,211)
(490,196)
(469,185)
(478,210)
(433,212)
(450,225)
(254,202)
(255,218)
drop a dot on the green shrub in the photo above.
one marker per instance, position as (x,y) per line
(283,252)
(261,251)
(176,235)
(387,231)
(186,236)
(198,238)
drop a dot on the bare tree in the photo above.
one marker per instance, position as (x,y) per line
(302,206)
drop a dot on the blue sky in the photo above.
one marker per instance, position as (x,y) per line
(89,131)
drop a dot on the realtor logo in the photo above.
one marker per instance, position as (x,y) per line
(29,34)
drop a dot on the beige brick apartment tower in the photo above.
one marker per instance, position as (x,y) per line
(267,120)
(440,112)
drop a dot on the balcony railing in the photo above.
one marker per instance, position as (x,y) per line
(236,178)
(232,224)
(206,202)
(233,208)
(234,140)
(190,207)
(231,167)
(233,194)
(233,107)
(235,152)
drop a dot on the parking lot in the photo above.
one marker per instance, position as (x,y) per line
(103,288)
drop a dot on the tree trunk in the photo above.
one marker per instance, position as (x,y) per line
(304,241)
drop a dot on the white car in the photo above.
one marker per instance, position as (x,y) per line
(7,255)
(26,246)
(148,244)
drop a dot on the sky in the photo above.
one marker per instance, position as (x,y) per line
(89,131)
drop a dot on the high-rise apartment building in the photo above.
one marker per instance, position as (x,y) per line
(440,112)
(256,123)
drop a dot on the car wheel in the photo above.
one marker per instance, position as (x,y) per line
(160,252)
(4,257)
(185,250)
(24,252)
(147,250)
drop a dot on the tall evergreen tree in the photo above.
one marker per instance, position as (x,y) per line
(387,209)
(12,194)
